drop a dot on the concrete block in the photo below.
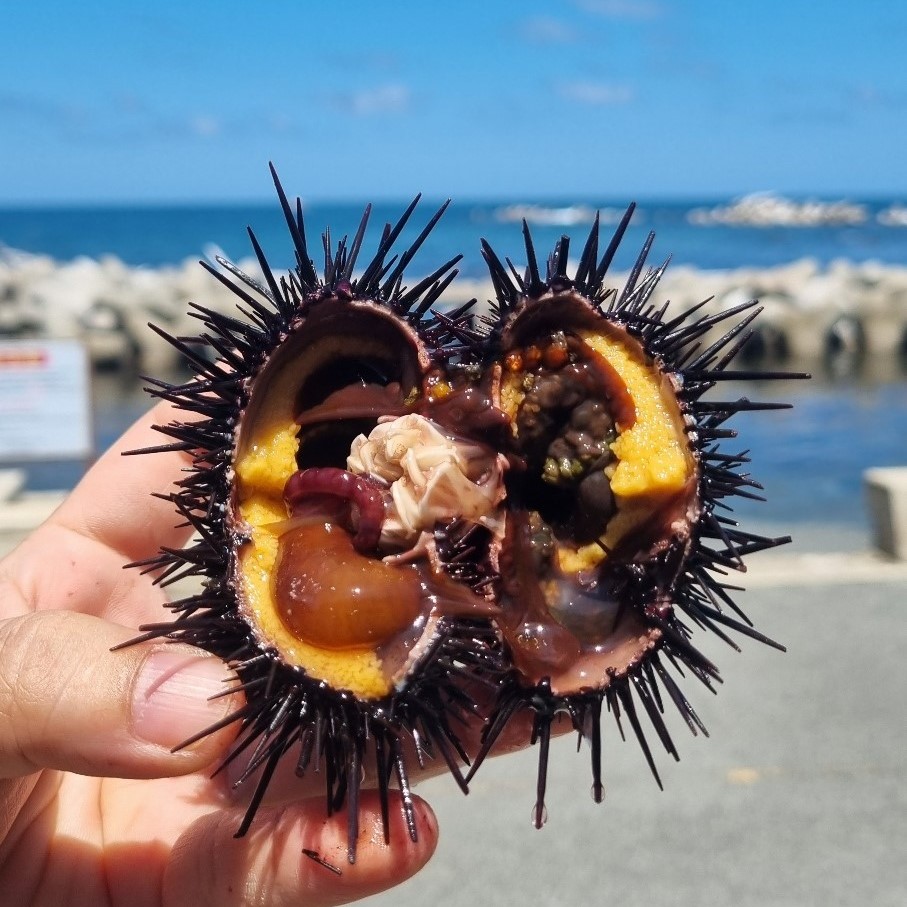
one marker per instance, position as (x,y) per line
(11,482)
(886,495)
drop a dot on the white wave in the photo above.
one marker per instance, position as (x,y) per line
(567,216)
(765,209)
(893,216)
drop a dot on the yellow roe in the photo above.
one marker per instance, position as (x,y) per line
(653,456)
(265,460)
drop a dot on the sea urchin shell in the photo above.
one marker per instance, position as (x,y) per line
(392,503)
(328,584)
(617,533)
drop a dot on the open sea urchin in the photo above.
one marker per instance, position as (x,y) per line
(396,507)
(328,453)
(618,532)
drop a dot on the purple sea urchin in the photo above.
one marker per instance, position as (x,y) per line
(393,503)
(618,534)
(323,583)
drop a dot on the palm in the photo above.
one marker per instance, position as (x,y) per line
(73,839)
(101,528)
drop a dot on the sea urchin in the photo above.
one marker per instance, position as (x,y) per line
(395,507)
(327,456)
(618,534)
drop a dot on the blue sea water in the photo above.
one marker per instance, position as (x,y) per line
(164,235)
(810,460)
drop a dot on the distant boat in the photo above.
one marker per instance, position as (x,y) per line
(893,216)
(765,209)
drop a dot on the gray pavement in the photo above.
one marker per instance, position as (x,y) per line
(798,798)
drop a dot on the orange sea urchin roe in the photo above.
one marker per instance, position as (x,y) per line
(330,595)
(653,455)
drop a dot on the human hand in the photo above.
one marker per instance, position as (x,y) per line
(95,809)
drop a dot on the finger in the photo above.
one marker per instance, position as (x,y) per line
(57,569)
(67,702)
(281,862)
(114,502)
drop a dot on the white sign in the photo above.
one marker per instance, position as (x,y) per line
(45,400)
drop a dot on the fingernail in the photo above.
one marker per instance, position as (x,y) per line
(170,701)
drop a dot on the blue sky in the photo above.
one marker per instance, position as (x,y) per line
(170,101)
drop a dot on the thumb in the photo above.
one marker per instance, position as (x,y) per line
(67,702)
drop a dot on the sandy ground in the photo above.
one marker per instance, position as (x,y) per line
(797,798)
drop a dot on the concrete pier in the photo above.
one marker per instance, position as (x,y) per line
(809,311)
(886,496)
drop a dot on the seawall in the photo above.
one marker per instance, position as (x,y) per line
(808,311)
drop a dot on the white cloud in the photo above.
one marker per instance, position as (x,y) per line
(390,98)
(623,9)
(547,30)
(204,126)
(599,94)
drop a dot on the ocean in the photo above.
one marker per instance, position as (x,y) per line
(166,235)
(850,416)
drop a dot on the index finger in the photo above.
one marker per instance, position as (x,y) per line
(114,503)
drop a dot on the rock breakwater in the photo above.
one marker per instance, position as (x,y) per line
(809,311)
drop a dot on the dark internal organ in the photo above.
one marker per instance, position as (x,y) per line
(564,428)
(331,596)
(327,589)
(329,419)
(340,497)
(602,454)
